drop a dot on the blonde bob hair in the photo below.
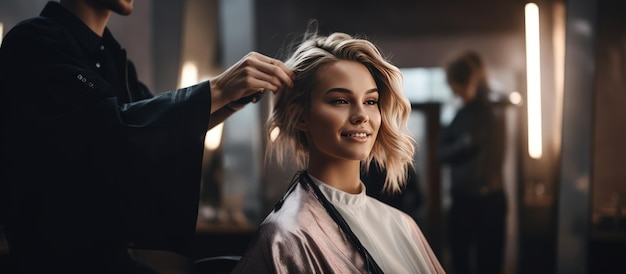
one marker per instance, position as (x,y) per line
(393,149)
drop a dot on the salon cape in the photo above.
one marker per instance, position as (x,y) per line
(299,236)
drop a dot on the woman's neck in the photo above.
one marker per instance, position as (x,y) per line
(342,175)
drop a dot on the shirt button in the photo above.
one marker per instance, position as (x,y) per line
(98,65)
(101,47)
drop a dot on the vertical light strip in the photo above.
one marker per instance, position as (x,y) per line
(1,32)
(558,41)
(533,81)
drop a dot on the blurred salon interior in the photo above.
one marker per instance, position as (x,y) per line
(557,70)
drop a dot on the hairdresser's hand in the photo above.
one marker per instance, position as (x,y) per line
(253,74)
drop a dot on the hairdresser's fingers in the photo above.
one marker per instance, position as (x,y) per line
(251,74)
(279,74)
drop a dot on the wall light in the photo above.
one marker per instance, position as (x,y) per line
(188,75)
(515,98)
(274,134)
(1,32)
(213,137)
(533,81)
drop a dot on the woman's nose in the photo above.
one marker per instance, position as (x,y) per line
(359,115)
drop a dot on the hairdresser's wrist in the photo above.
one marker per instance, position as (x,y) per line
(239,104)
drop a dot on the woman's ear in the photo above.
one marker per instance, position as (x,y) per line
(303,120)
(302,123)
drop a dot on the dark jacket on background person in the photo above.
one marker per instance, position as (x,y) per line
(473,146)
(92,162)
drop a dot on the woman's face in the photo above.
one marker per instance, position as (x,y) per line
(344,118)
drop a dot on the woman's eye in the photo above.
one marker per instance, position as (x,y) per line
(339,101)
(371,102)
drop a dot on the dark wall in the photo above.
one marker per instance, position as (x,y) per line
(166,24)
(608,238)
(480,22)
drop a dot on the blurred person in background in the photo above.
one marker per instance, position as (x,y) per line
(473,147)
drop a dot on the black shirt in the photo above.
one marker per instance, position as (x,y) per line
(103,55)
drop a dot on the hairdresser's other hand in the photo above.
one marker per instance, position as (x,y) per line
(252,74)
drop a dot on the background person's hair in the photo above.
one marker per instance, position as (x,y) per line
(469,67)
(394,147)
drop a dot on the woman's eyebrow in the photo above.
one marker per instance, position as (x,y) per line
(347,91)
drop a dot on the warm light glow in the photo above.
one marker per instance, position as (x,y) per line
(274,134)
(558,42)
(213,137)
(1,32)
(188,75)
(533,81)
(515,98)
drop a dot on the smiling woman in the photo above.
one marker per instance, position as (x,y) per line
(345,110)
(342,123)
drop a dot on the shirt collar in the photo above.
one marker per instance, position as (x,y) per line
(88,40)
(337,196)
